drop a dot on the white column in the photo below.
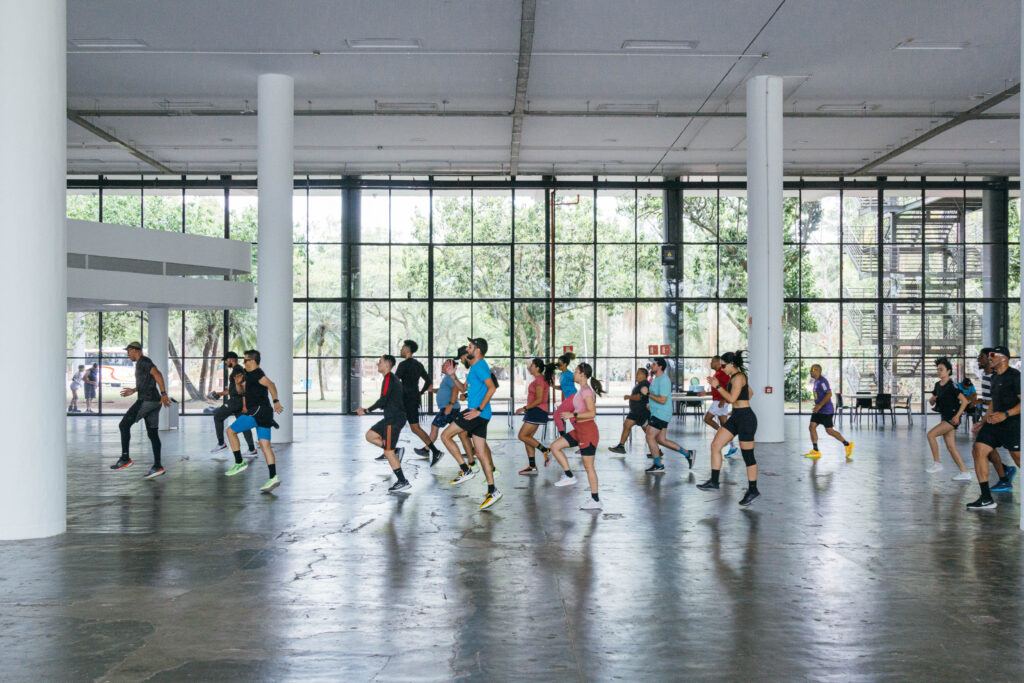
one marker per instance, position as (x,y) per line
(156,349)
(1021,236)
(33,308)
(275,169)
(764,255)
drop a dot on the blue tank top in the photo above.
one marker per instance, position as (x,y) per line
(567,384)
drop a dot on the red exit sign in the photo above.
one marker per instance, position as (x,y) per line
(566,349)
(659,350)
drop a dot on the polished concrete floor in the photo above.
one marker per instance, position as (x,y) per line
(842,570)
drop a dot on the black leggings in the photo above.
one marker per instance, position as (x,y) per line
(222,414)
(142,410)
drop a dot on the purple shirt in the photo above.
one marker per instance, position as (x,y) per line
(821,387)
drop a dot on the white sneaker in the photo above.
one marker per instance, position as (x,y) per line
(566,481)
(933,468)
(591,505)
(218,447)
(963,476)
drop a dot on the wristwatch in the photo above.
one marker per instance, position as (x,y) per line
(574,414)
(163,393)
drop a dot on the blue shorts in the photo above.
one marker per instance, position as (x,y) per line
(536,416)
(247,422)
(441,420)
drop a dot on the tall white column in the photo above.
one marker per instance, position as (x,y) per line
(275,169)
(33,308)
(764,255)
(156,349)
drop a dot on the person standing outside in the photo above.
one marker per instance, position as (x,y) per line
(823,413)
(233,406)
(409,372)
(90,382)
(151,394)
(535,412)
(639,411)
(1001,428)
(719,408)
(660,394)
(385,433)
(258,414)
(947,399)
(76,384)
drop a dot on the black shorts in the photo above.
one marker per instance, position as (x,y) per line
(143,410)
(822,419)
(389,431)
(412,409)
(475,427)
(1006,435)
(638,418)
(742,423)
(657,423)
(948,419)
(573,443)
(90,391)
(536,416)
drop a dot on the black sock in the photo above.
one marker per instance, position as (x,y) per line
(533,462)
(846,443)
(752,486)
(433,449)
(398,473)
(542,448)
(714,476)
(985,493)
(273,470)
(595,497)
(238,457)
(465,467)
(814,445)
(568,473)
(491,488)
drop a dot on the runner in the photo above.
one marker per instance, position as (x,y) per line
(638,413)
(409,372)
(385,433)
(950,404)
(151,394)
(536,413)
(480,387)
(823,413)
(447,399)
(584,435)
(258,414)
(719,408)
(460,389)
(660,394)
(1001,428)
(742,423)
(567,386)
(1005,472)
(233,406)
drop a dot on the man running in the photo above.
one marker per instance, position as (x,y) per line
(257,414)
(639,412)
(822,414)
(233,406)
(1005,472)
(719,408)
(409,372)
(480,387)
(385,433)
(1001,428)
(660,395)
(151,393)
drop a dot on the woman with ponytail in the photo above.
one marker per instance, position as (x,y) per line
(585,435)
(567,385)
(535,413)
(742,423)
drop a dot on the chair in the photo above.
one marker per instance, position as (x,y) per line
(839,408)
(883,404)
(863,403)
(906,406)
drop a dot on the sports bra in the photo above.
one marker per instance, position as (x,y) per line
(744,392)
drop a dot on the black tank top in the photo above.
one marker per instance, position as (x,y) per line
(744,392)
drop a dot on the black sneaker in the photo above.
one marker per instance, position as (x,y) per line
(618,449)
(154,472)
(422,452)
(655,469)
(381,457)
(983,504)
(708,486)
(689,455)
(750,497)
(650,455)
(122,463)
(435,458)
(400,486)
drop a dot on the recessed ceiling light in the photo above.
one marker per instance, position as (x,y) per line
(627,106)
(912,44)
(993,142)
(611,139)
(385,43)
(668,45)
(857,106)
(109,43)
(405,106)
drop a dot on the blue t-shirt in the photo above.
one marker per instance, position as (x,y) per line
(479,373)
(568,384)
(661,386)
(444,393)
(821,387)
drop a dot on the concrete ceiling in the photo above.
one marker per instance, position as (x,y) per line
(186,95)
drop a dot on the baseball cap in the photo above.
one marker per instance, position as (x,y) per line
(229,355)
(134,345)
(480,343)
(1001,351)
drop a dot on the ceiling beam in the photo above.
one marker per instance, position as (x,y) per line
(522,79)
(77,119)
(971,114)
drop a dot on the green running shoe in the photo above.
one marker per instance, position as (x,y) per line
(271,484)
(236,468)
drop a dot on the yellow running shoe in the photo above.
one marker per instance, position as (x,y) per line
(849,450)
(813,454)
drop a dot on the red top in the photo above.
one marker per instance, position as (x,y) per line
(538,389)
(723,380)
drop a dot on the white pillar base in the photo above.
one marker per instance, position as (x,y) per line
(156,349)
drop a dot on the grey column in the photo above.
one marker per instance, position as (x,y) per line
(995,261)
(672,236)
(351,219)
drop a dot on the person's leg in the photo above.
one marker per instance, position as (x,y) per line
(484,456)
(248,440)
(813,429)
(154,440)
(448,439)
(949,436)
(981,452)
(418,431)
(222,413)
(233,440)
(588,465)
(557,448)
(997,463)
(563,407)
(710,421)
(125,426)
(722,437)
(834,433)
(747,449)
(933,443)
(651,436)
(665,441)
(526,433)
(627,427)
(467,446)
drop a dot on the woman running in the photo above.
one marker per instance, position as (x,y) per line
(742,423)
(535,412)
(447,401)
(950,403)
(585,435)
(567,386)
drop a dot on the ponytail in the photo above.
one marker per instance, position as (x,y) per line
(567,358)
(735,358)
(549,372)
(595,383)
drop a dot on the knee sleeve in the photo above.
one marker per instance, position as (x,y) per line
(748,456)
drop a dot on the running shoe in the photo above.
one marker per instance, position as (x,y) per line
(400,486)
(252,453)
(435,458)
(475,465)
(962,476)
(154,472)
(218,447)
(399,452)
(271,484)
(494,471)
(237,468)
(1010,472)
(620,449)
(122,463)
(689,455)
(381,456)
(566,480)
(933,468)
(547,457)
(462,478)
(849,450)
(749,498)
(1002,486)
(813,454)
(732,450)
(708,486)
(591,505)
(528,471)
(490,499)
(655,469)
(422,452)
(983,504)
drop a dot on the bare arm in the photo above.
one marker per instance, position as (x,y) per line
(159,378)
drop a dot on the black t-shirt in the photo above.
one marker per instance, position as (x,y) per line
(1005,390)
(641,405)
(235,398)
(947,400)
(145,383)
(257,399)
(391,400)
(409,372)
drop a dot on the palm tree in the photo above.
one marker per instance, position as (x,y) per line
(324,337)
